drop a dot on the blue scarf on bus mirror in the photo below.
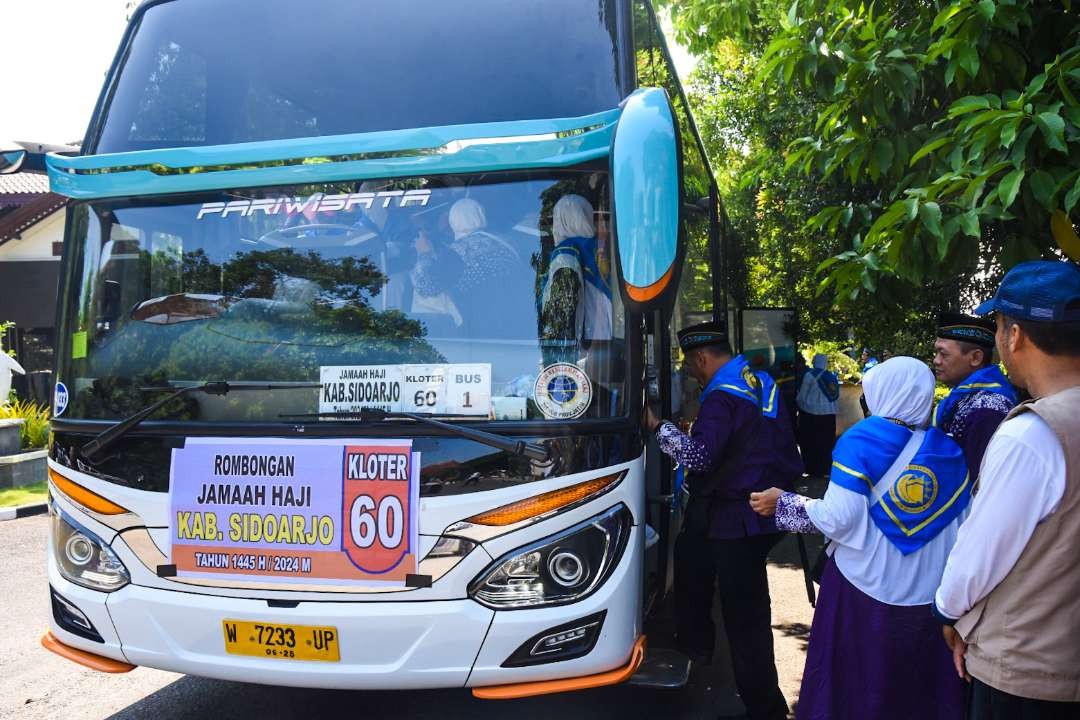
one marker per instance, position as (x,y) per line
(736,378)
(987,379)
(928,494)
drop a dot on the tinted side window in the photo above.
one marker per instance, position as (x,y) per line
(694,301)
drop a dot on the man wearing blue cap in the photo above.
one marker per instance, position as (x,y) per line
(1010,594)
(741,442)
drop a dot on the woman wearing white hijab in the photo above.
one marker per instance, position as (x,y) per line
(897,495)
(575,298)
(465,279)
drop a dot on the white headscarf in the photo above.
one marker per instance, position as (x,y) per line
(901,388)
(572,217)
(466,217)
(820,361)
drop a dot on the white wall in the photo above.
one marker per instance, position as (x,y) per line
(36,242)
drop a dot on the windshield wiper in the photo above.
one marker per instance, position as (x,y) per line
(100,442)
(533,451)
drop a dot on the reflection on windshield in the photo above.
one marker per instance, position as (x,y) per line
(403,292)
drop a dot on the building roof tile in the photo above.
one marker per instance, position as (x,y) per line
(24,183)
(18,221)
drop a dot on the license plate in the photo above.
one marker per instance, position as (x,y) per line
(284,642)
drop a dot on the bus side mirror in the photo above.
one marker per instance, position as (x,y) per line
(646,199)
(11,160)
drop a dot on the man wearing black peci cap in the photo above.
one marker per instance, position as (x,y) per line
(740,442)
(981,395)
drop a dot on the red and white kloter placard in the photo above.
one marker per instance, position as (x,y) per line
(317,511)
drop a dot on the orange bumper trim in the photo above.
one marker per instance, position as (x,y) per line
(547,687)
(87,659)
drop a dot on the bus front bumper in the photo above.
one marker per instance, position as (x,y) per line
(383,645)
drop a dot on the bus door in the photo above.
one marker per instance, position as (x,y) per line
(768,338)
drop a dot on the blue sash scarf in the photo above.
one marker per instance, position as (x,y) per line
(736,378)
(584,249)
(988,379)
(827,382)
(931,491)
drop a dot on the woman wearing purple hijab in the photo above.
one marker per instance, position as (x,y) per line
(897,495)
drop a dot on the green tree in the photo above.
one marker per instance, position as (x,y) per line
(911,150)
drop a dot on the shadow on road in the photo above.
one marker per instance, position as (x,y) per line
(199,697)
(795,630)
(710,692)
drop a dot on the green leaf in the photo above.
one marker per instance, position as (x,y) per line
(1019,150)
(1035,85)
(930,215)
(793,14)
(968,104)
(869,281)
(951,231)
(1009,187)
(883,155)
(1042,188)
(946,15)
(911,208)
(1053,130)
(929,148)
(969,223)
(950,71)
(1009,130)
(968,57)
(826,265)
(1072,196)
(988,8)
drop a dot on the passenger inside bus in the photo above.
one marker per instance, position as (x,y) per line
(465,279)
(575,297)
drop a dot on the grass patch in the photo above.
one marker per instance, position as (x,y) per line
(12,497)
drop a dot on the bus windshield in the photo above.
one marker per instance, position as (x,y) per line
(205,72)
(454,295)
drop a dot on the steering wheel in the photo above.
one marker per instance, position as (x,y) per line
(345,233)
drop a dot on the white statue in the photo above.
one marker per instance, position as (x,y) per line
(8,365)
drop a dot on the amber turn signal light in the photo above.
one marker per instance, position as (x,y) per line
(547,502)
(87,498)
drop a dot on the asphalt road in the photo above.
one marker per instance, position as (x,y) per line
(35,683)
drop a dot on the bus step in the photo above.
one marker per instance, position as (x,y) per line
(665,668)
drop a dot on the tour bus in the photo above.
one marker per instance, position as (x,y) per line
(360,304)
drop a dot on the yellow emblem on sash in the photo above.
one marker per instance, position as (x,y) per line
(916,490)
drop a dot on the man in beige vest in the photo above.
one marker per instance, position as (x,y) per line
(1010,595)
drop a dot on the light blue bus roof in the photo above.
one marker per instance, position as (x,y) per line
(515,145)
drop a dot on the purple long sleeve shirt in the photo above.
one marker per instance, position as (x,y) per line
(973,422)
(773,461)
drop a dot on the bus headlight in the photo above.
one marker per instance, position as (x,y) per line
(560,569)
(84,558)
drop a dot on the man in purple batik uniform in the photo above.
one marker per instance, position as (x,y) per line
(741,442)
(981,396)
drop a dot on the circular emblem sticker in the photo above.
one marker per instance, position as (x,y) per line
(916,490)
(60,399)
(563,391)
